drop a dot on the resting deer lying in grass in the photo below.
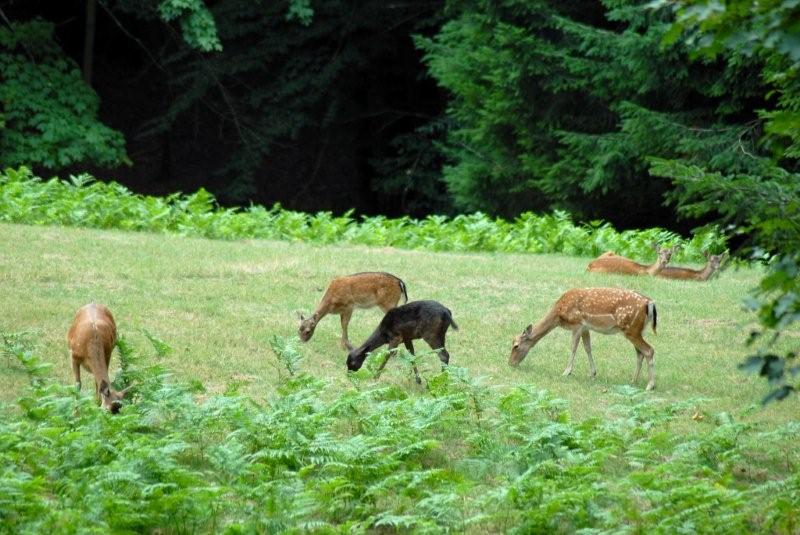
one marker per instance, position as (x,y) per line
(428,320)
(610,262)
(605,310)
(360,290)
(91,340)
(713,262)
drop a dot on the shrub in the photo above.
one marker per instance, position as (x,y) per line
(457,457)
(84,202)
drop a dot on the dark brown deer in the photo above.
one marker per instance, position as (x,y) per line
(610,262)
(428,320)
(91,340)
(344,294)
(604,310)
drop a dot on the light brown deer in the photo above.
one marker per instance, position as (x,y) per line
(91,340)
(360,290)
(610,262)
(713,262)
(605,310)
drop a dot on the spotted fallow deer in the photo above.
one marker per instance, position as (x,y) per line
(610,262)
(713,262)
(604,310)
(91,340)
(344,294)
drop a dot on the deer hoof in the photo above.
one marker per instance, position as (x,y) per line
(650,386)
(567,372)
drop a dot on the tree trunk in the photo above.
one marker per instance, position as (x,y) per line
(88,41)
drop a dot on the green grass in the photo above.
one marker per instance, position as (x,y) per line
(218,303)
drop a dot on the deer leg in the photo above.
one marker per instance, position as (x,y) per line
(345,319)
(576,336)
(644,351)
(587,345)
(436,343)
(410,347)
(389,352)
(639,359)
(651,370)
(76,370)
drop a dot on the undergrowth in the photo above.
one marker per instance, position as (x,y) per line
(453,456)
(82,201)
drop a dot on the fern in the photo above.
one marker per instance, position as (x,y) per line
(455,457)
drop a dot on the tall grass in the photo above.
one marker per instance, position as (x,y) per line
(458,457)
(82,201)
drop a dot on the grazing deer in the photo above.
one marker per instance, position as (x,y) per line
(91,340)
(605,310)
(713,262)
(610,262)
(360,290)
(428,320)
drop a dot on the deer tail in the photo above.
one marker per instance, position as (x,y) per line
(652,314)
(403,289)
(450,317)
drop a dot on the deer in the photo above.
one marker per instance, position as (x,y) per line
(603,310)
(713,262)
(428,320)
(344,294)
(610,262)
(91,339)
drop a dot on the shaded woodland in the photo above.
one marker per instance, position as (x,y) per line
(413,107)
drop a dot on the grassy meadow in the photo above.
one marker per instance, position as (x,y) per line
(218,303)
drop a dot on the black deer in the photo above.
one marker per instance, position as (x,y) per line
(428,320)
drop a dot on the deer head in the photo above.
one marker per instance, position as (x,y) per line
(307,325)
(520,345)
(110,399)
(714,261)
(664,254)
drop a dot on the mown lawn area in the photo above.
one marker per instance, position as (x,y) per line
(218,303)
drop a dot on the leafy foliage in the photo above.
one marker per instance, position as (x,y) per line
(766,210)
(763,204)
(755,29)
(85,202)
(455,457)
(48,115)
(557,104)
(197,23)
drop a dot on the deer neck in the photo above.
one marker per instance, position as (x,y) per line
(656,268)
(705,273)
(542,327)
(97,357)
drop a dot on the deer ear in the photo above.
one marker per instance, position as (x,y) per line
(528,330)
(105,389)
(125,391)
(300,317)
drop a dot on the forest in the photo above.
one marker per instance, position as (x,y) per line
(207,167)
(415,107)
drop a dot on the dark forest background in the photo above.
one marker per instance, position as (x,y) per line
(387,107)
